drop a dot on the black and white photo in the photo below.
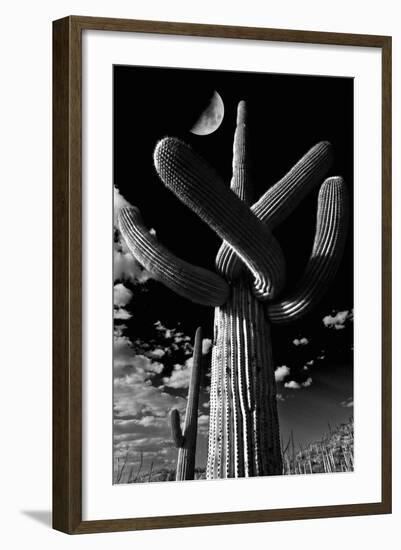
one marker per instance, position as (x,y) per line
(233,274)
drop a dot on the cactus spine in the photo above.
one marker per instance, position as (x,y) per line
(186,440)
(244,438)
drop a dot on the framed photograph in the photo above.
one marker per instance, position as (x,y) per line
(222,269)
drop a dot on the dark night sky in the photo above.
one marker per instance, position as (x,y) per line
(287,115)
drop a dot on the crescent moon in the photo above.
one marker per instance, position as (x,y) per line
(211,118)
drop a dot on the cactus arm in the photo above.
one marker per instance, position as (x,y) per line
(281,199)
(186,442)
(198,186)
(176,431)
(330,236)
(241,183)
(195,283)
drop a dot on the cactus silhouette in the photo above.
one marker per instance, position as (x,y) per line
(248,290)
(185,439)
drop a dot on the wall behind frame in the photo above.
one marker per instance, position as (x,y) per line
(25,218)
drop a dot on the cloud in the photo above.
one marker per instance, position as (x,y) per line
(180,376)
(176,340)
(280,397)
(206,345)
(300,342)
(118,330)
(338,320)
(134,395)
(121,314)
(281,372)
(140,426)
(158,352)
(164,331)
(309,364)
(123,353)
(126,267)
(144,444)
(203,424)
(128,363)
(203,419)
(180,337)
(122,295)
(292,385)
(349,402)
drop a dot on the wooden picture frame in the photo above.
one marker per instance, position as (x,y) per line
(67,274)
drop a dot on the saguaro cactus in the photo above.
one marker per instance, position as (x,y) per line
(244,437)
(185,439)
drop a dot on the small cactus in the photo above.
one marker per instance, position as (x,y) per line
(185,439)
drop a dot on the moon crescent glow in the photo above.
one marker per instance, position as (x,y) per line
(211,118)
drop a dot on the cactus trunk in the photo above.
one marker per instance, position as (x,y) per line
(244,439)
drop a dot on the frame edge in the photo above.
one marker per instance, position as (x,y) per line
(66,493)
(227,31)
(386,274)
(67,318)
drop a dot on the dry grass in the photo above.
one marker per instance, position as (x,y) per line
(334,452)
